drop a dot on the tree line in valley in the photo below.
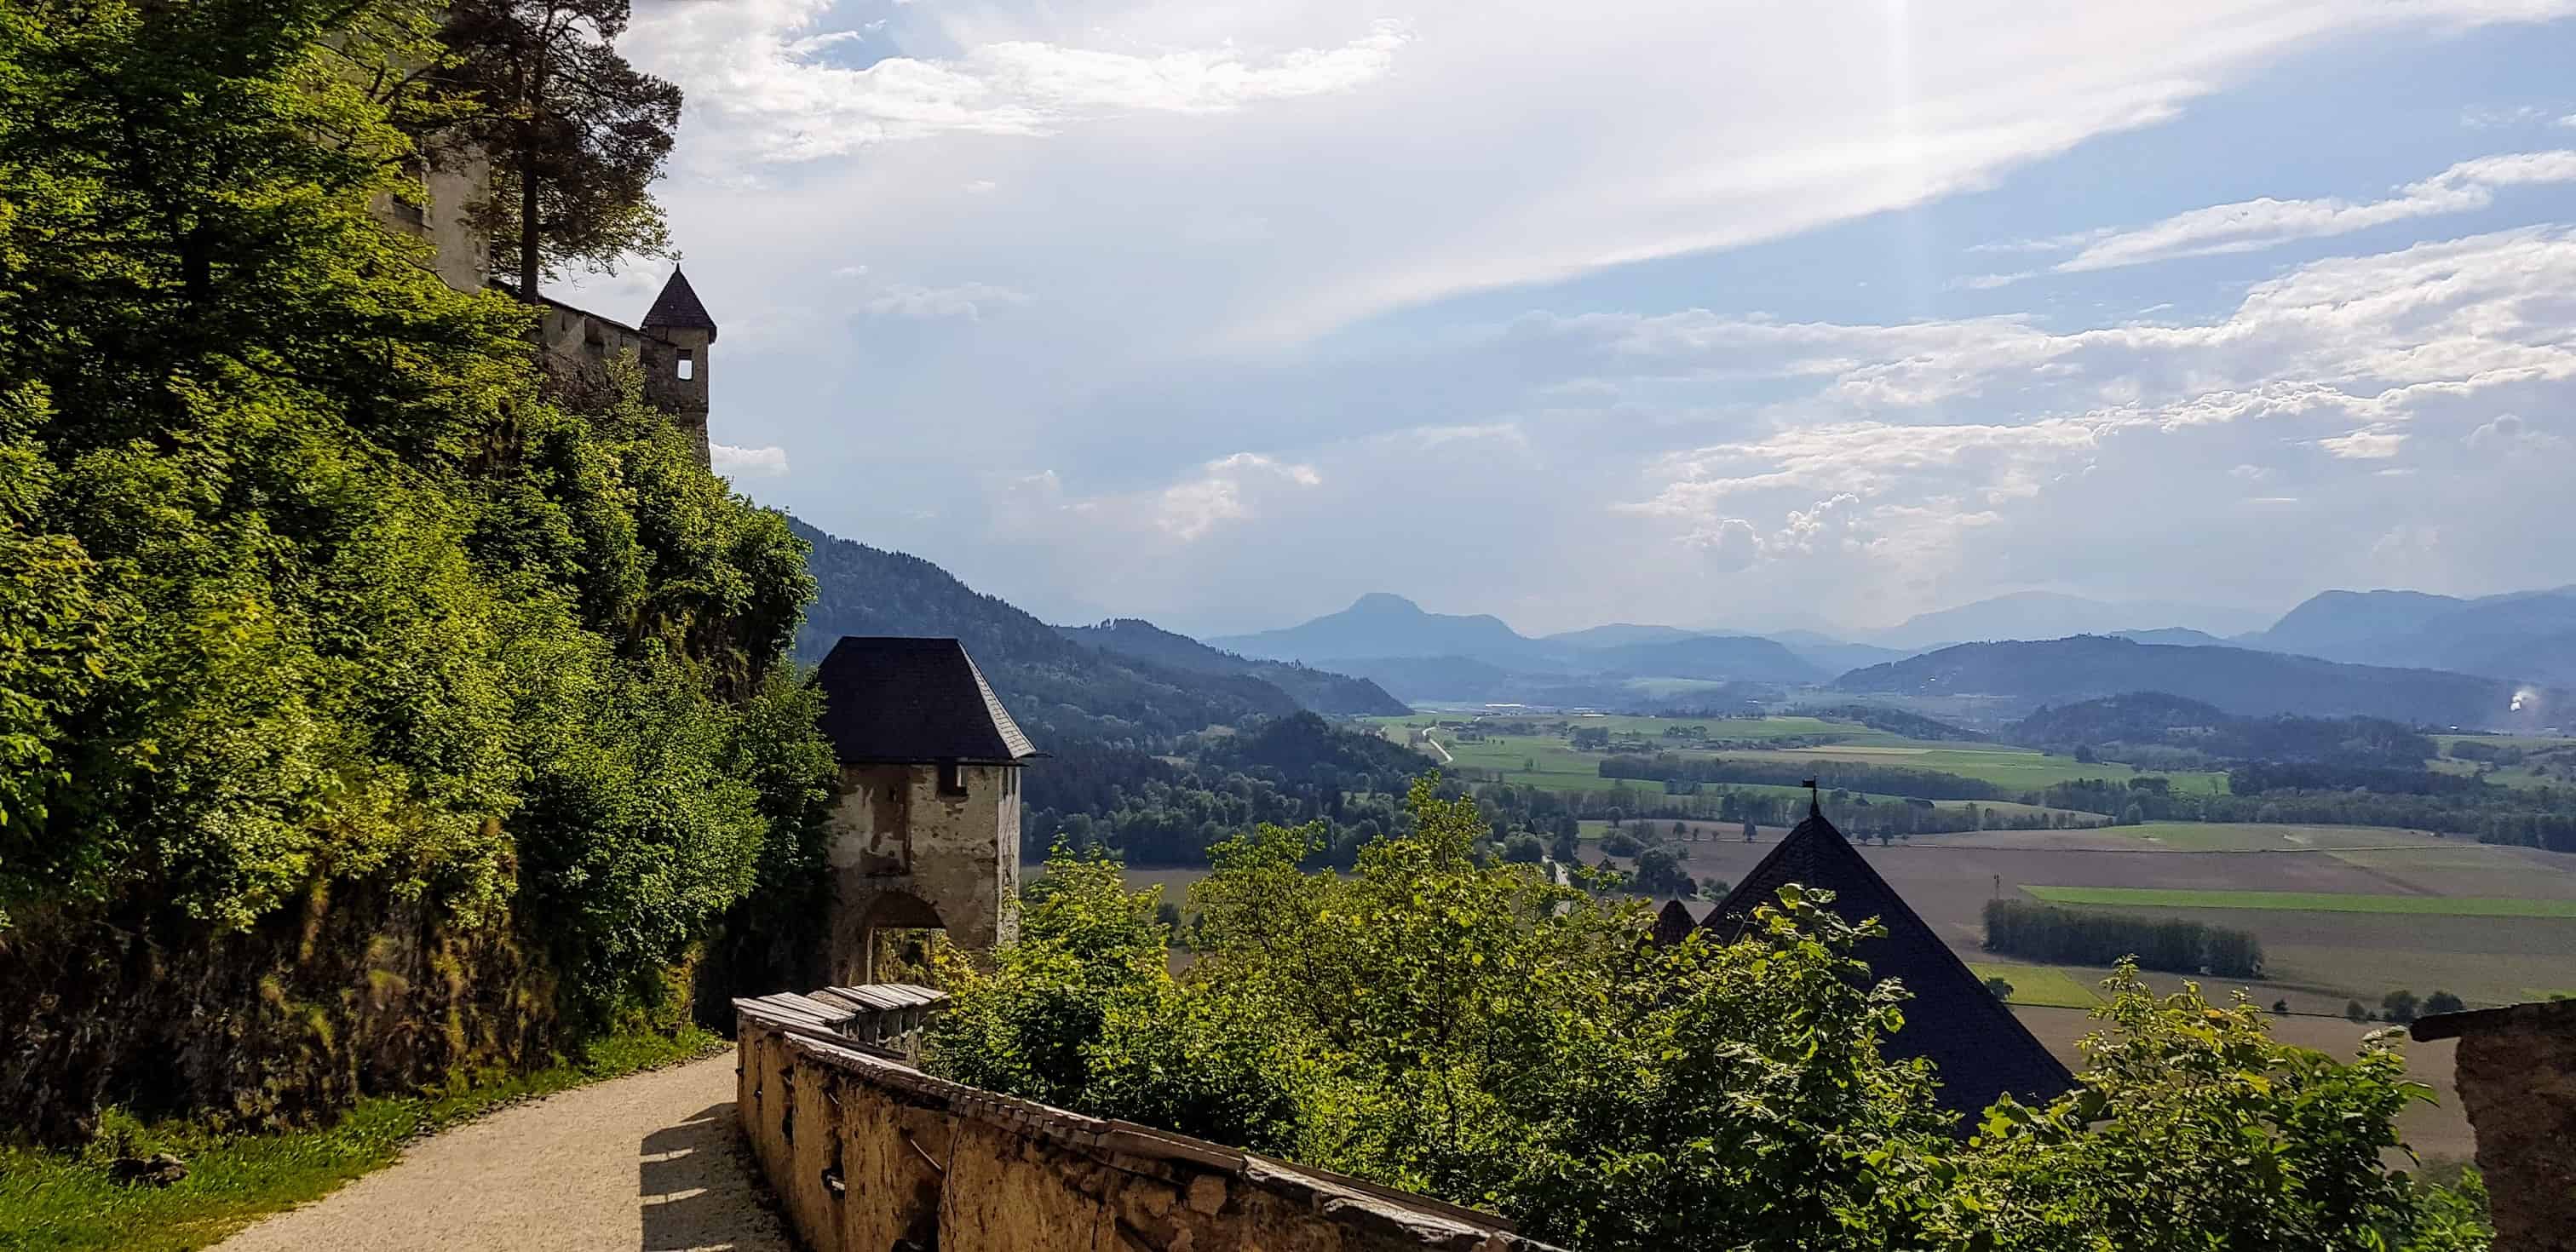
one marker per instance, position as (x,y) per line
(2044,932)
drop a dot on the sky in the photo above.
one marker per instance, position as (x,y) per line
(1222,313)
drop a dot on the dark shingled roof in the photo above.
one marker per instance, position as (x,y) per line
(1979,1047)
(1674,923)
(914,701)
(678,308)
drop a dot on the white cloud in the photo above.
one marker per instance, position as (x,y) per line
(2369,444)
(2348,355)
(734,462)
(763,67)
(2497,117)
(1384,167)
(2508,433)
(1188,510)
(2251,225)
(962,300)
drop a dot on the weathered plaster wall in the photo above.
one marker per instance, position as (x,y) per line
(896,840)
(454,183)
(2517,1081)
(868,1154)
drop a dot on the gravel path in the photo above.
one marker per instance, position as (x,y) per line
(652,1162)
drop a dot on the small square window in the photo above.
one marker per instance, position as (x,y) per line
(688,366)
(952,779)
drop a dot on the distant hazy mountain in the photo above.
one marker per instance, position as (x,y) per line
(2527,635)
(1835,656)
(2049,615)
(1439,678)
(1383,625)
(2180,636)
(1619,634)
(2237,680)
(1319,690)
(1055,688)
(1745,657)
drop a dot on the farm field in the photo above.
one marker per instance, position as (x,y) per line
(2002,766)
(1552,761)
(2306,901)
(2045,985)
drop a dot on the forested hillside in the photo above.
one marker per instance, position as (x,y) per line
(2189,732)
(364,714)
(2237,680)
(1143,758)
(1057,688)
(1320,691)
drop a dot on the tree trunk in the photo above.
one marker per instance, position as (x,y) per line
(528,222)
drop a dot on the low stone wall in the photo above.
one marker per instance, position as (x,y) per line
(869,1154)
(2517,1081)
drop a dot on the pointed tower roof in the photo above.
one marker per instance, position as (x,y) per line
(892,700)
(678,308)
(1674,923)
(1979,1047)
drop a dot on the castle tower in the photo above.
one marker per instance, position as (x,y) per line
(925,823)
(678,333)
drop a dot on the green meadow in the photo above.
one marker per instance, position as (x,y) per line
(2043,985)
(2305,901)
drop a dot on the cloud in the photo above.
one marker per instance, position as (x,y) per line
(963,300)
(1119,133)
(1469,314)
(2365,445)
(2374,345)
(734,462)
(1188,510)
(2251,225)
(765,68)
(2508,432)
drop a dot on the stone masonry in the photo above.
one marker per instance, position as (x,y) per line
(869,1154)
(2517,1080)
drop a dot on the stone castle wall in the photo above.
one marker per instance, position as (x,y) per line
(867,1153)
(900,847)
(2517,1082)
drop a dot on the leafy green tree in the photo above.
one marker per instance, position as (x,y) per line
(2353,1011)
(576,136)
(2000,989)
(1659,873)
(308,586)
(1620,843)
(2442,1002)
(1466,1029)
(2397,1006)
(2190,1126)
(1524,849)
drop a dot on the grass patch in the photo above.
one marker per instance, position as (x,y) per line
(2044,985)
(63,1202)
(2305,901)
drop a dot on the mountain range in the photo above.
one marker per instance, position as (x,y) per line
(2522,638)
(1104,685)
(2528,635)
(2242,681)
(1379,629)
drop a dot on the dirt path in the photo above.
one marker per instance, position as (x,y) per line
(650,1162)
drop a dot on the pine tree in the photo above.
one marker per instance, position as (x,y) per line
(576,136)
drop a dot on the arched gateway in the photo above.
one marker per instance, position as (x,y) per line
(925,823)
